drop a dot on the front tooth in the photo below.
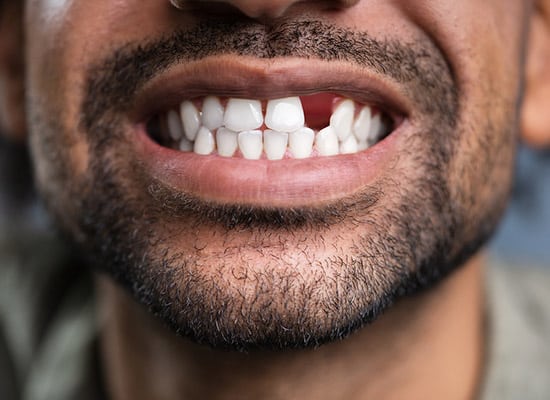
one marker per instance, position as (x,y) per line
(342,119)
(212,113)
(174,125)
(275,144)
(285,115)
(301,142)
(204,142)
(243,115)
(190,117)
(250,143)
(327,142)
(227,142)
(349,146)
(361,127)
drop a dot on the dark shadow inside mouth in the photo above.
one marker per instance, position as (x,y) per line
(158,132)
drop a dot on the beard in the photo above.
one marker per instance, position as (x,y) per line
(245,277)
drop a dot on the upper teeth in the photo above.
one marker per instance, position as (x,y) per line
(241,125)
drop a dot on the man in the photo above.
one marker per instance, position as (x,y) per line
(298,191)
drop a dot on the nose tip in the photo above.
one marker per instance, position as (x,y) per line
(268,8)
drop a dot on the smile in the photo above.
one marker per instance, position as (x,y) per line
(271,135)
(322,124)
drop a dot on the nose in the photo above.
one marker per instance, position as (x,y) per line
(270,8)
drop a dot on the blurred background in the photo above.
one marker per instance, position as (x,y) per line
(524,234)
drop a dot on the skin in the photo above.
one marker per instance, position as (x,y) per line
(454,168)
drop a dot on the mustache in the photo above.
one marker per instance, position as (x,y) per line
(419,67)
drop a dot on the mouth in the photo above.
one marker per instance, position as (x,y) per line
(299,127)
(285,136)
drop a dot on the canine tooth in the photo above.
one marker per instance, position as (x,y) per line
(361,127)
(285,115)
(243,115)
(174,125)
(275,144)
(191,119)
(301,142)
(204,142)
(186,144)
(326,142)
(212,113)
(250,143)
(227,142)
(341,119)
(349,146)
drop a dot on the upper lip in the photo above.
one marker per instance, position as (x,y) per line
(247,77)
(290,182)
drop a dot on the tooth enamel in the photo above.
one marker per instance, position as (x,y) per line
(250,144)
(362,145)
(185,144)
(237,126)
(285,115)
(212,113)
(361,127)
(174,125)
(349,146)
(301,142)
(227,142)
(326,142)
(275,144)
(243,115)
(191,119)
(376,129)
(204,142)
(342,119)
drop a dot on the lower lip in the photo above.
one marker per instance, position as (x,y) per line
(283,183)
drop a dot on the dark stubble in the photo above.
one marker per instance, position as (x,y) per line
(407,222)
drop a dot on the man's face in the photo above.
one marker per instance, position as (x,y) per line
(292,252)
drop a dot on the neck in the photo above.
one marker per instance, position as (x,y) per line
(428,346)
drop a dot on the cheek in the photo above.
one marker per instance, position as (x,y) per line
(53,82)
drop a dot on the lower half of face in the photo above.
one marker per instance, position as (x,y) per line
(286,197)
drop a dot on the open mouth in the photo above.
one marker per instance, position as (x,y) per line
(248,131)
(298,127)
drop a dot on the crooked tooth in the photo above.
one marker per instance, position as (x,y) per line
(326,142)
(341,119)
(204,142)
(227,142)
(285,115)
(185,144)
(275,144)
(362,124)
(191,120)
(349,146)
(175,129)
(212,113)
(243,115)
(251,144)
(301,142)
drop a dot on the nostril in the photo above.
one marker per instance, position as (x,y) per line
(348,3)
(258,9)
(251,8)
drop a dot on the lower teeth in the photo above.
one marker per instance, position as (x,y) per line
(348,132)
